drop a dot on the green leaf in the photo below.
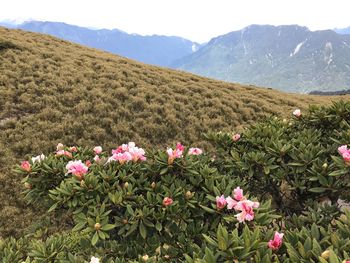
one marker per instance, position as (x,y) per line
(94,239)
(143,230)
(207,209)
(338,173)
(53,207)
(333,257)
(210,240)
(108,227)
(79,226)
(317,190)
(159,226)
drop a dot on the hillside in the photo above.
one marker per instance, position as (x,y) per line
(289,58)
(155,49)
(55,91)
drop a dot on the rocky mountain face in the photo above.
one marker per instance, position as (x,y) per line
(289,58)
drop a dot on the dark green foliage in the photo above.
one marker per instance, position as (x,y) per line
(295,161)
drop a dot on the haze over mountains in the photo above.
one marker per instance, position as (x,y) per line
(289,58)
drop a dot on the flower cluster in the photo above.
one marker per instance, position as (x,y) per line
(77,168)
(127,152)
(239,203)
(177,153)
(345,153)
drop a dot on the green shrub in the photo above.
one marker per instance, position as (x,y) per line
(293,161)
(179,207)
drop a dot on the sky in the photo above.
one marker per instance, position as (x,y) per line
(197,20)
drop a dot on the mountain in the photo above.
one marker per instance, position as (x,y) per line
(343,31)
(155,49)
(55,91)
(289,58)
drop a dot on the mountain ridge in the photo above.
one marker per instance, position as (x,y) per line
(152,49)
(283,57)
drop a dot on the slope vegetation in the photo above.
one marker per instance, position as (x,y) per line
(54,91)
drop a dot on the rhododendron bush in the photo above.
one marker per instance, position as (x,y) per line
(267,194)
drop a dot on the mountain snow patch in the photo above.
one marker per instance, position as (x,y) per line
(328,57)
(346,44)
(328,45)
(297,48)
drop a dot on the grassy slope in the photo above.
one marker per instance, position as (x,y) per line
(54,91)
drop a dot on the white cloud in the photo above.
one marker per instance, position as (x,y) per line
(197,20)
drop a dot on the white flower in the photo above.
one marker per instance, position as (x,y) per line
(38,158)
(94,260)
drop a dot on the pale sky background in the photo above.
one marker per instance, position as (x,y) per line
(197,20)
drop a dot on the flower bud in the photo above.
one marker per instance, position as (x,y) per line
(27,185)
(126,185)
(153,185)
(325,166)
(189,195)
(125,221)
(166,257)
(145,257)
(97,226)
(325,254)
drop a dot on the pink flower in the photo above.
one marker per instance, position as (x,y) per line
(346,156)
(238,193)
(88,163)
(59,146)
(122,157)
(297,113)
(220,202)
(97,158)
(343,149)
(25,165)
(137,154)
(231,203)
(195,151)
(276,242)
(128,152)
(246,208)
(236,137)
(77,168)
(177,153)
(97,150)
(73,149)
(167,201)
